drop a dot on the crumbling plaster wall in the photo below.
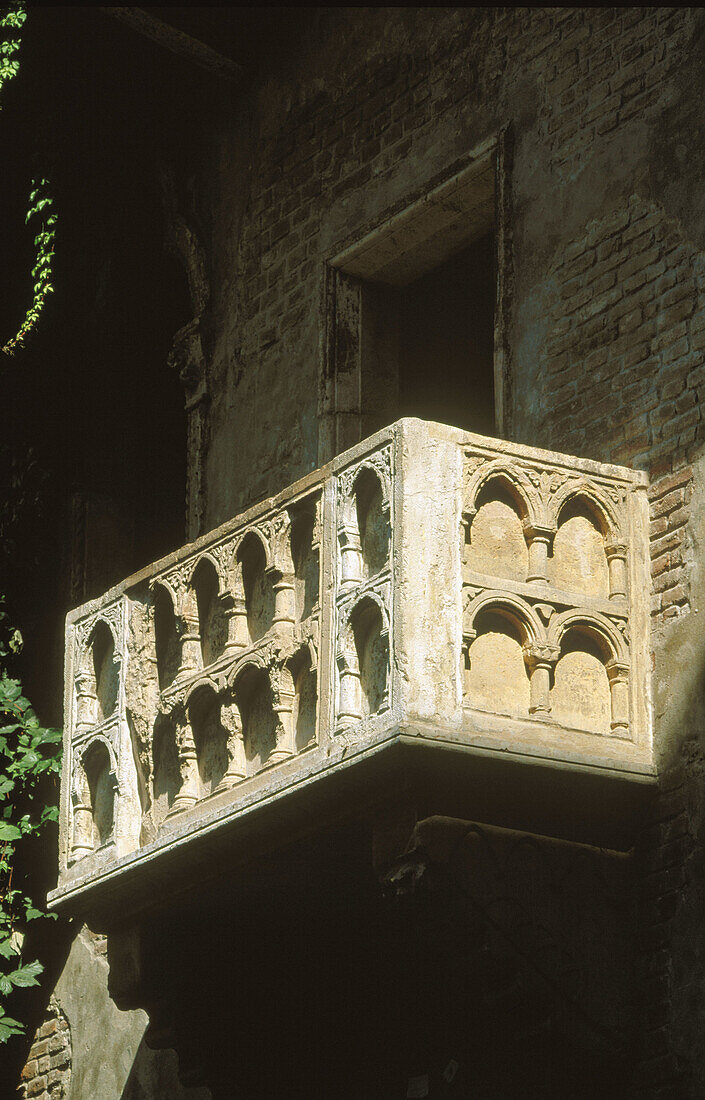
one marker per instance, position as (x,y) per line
(607,329)
(86,1047)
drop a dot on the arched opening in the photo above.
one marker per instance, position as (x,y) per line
(101,785)
(372,647)
(306,564)
(213,626)
(305,699)
(496,677)
(494,542)
(580,696)
(579,562)
(106,670)
(259,722)
(372,522)
(259,591)
(167,776)
(210,738)
(165,637)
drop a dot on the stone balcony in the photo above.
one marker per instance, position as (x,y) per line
(458,617)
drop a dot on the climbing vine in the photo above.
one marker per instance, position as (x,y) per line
(40,210)
(29,753)
(30,759)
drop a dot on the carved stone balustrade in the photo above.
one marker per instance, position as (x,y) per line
(463,618)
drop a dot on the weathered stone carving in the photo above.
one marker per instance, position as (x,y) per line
(562,531)
(429,584)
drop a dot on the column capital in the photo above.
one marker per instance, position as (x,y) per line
(617,669)
(540,654)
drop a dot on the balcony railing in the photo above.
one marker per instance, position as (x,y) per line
(427,587)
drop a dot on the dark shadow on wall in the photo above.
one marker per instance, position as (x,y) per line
(155,1074)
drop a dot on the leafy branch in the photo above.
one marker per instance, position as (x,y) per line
(30,760)
(13,20)
(40,201)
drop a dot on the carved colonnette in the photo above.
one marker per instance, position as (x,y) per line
(101,792)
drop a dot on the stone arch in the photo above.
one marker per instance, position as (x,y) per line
(210,736)
(255,702)
(515,483)
(302,667)
(166,775)
(254,562)
(371,503)
(364,528)
(499,633)
(208,586)
(98,766)
(591,678)
(512,608)
(611,642)
(594,500)
(166,638)
(495,532)
(363,659)
(305,558)
(258,534)
(99,674)
(578,560)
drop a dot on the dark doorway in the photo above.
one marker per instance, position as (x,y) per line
(446,341)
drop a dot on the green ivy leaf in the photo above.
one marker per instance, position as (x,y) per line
(27,975)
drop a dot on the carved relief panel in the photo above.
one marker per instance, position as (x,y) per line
(364,588)
(546,600)
(100,807)
(236,635)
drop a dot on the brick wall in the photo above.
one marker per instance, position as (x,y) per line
(625,368)
(47,1073)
